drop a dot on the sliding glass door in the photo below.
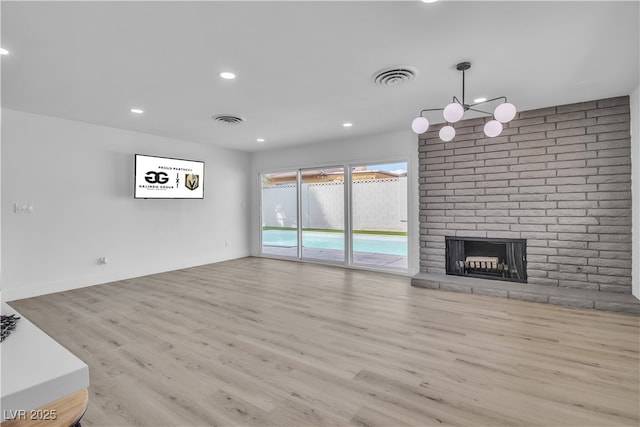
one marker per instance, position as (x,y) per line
(322,207)
(379,215)
(354,215)
(280,213)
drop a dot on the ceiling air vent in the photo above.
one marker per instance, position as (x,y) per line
(394,76)
(228,119)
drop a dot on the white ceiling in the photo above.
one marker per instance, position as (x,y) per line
(304,68)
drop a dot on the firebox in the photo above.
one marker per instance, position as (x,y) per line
(486,258)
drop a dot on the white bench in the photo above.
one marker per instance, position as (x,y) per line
(36,371)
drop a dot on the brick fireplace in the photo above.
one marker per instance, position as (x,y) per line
(558,177)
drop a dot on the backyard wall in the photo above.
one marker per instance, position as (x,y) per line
(559,177)
(380,204)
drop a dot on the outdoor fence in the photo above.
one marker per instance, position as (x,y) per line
(378,205)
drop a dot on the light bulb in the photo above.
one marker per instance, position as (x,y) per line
(453,112)
(420,125)
(492,128)
(447,133)
(505,112)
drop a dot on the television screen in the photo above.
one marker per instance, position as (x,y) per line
(166,178)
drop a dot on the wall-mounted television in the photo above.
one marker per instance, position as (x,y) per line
(167,178)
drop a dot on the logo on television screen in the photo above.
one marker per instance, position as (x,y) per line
(153,177)
(191,181)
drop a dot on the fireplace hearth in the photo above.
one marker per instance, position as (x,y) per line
(498,259)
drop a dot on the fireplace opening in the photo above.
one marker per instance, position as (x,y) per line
(501,259)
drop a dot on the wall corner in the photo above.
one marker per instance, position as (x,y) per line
(634,101)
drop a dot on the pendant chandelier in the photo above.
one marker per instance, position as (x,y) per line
(504,113)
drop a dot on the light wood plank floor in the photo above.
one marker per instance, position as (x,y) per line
(266,342)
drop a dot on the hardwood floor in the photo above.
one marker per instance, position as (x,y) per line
(265,342)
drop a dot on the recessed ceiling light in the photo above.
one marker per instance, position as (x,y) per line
(479,100)
(429,1)
(136,111)
(4,51)
(347,125)
(260,140)
(227,75)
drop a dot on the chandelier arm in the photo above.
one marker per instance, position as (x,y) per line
(489,100)
(455,99)
(480,111)
(431,109)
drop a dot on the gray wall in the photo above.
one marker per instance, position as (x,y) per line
(79,178)
(559,177)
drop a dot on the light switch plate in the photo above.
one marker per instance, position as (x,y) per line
(23,207)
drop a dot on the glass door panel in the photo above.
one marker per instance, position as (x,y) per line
(379,215)
(280,214)
(322,213)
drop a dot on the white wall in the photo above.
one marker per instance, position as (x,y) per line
(1,297)
(79,178)
(635,191)
(397,146)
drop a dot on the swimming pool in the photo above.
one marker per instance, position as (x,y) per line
(371,243)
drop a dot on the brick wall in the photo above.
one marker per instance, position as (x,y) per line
(559,177)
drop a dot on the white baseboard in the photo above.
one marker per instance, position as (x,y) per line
(61,285)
